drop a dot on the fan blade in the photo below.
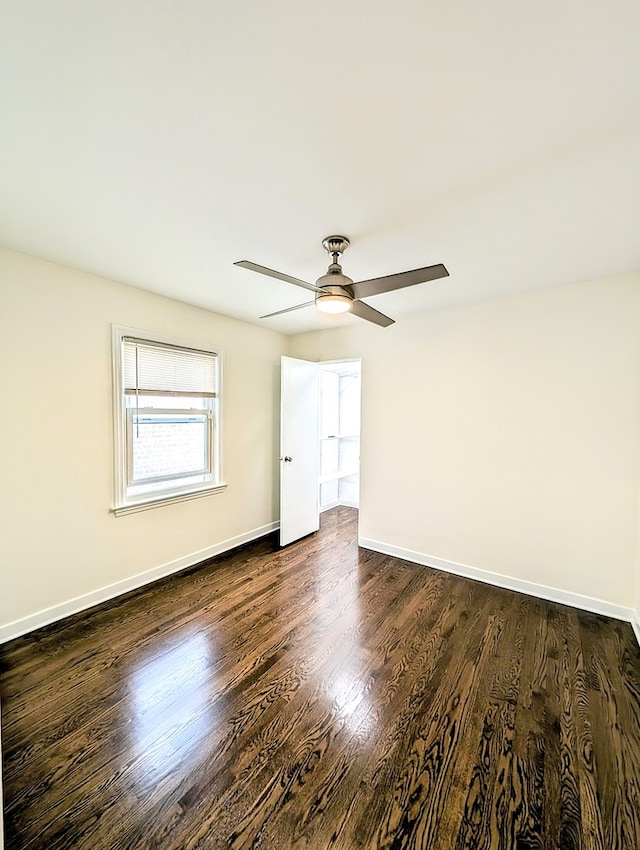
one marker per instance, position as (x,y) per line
(359,308)
(288,310)
(254,267)
(378,285)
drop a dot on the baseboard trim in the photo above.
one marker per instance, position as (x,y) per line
(551,594)
(81,603)
(635,623)
(339,503)
(329,506)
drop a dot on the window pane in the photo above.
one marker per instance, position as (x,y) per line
(169,448)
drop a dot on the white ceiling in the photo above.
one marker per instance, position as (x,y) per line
(155,142)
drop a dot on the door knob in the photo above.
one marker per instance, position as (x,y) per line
(287,459)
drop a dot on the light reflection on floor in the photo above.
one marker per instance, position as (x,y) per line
(173,712)
(350,691)
(351,699)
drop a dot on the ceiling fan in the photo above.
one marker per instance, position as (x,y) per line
(337,293)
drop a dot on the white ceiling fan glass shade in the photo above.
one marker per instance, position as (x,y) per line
(333,303)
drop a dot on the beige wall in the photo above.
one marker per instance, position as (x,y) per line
(58,539)
(506,435)
(637,600)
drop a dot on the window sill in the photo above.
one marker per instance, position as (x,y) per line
(160,501)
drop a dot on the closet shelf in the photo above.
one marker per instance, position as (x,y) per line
(335,476)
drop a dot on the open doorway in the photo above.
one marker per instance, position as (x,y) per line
(339,434)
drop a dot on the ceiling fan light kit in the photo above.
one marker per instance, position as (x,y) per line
(333,302)
(336,293)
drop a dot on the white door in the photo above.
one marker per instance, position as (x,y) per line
(299,514)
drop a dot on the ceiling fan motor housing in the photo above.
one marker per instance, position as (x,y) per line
(336,283)
(332,289)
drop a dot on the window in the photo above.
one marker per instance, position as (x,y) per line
(167,420)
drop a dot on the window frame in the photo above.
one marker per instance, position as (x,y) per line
(122,503)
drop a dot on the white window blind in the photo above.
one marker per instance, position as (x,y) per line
(156,369)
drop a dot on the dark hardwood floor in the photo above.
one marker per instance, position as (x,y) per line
(323,696)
